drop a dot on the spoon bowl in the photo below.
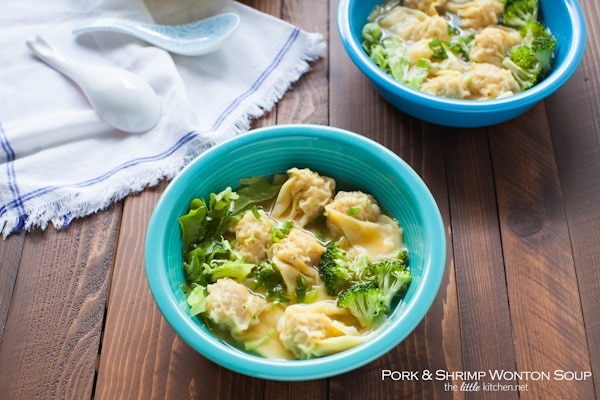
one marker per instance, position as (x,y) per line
(120,97)
(191,39)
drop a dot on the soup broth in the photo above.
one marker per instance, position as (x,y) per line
(281,259)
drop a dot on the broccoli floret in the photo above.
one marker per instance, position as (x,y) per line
(402,257)
(543,47)
(535,30)
(518,12)
(541,42)
(531,30)
(525,67)
(530,61)
(267,278)
(365,301)
(391,276)
(337,269)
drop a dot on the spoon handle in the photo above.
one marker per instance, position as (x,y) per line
(122,25)
(194,38)
(45,52)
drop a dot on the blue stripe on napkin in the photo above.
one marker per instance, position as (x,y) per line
(18,202)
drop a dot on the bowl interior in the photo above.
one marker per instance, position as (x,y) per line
(353,160)
(563,18)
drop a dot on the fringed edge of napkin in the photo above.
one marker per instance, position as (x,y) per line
(61,212)
(313,50)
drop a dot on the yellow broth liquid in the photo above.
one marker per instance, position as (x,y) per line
(266,328)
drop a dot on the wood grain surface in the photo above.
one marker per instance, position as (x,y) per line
(521,293)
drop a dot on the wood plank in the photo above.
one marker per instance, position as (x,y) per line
(575,129)
(493,190)
(267,6)
(477,246)
(165,351)
(138,345)
(50,343)
(546,317)
(11,249)
(152,345)
(438,335)
(307,102)
(435,344)
(273,8)
(440,331)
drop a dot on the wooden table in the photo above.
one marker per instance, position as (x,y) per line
(521,206)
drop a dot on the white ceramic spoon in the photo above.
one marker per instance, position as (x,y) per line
(192,39)
(120,97)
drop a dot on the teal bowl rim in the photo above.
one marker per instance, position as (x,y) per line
(296,370)
(521,100)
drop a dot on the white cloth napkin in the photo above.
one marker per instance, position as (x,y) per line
(59,160)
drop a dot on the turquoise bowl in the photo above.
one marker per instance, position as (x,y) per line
(357,162)
(564,18)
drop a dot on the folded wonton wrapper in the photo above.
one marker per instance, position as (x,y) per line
(376,239)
